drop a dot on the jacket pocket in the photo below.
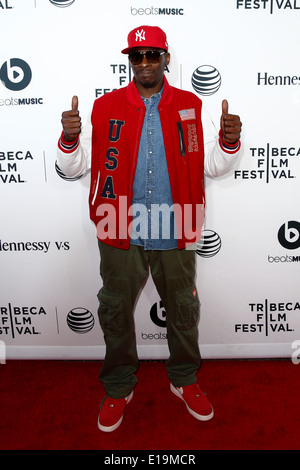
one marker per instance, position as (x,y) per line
(187,312)
(111,313)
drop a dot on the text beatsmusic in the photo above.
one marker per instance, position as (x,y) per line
(157,11)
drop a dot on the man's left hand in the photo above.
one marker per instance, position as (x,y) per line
(231,125)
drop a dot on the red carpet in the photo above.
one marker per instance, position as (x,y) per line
(54,405)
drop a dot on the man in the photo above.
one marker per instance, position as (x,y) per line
(151,146)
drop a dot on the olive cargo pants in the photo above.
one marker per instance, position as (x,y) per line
(124,273)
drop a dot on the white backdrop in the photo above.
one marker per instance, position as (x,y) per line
(248,278)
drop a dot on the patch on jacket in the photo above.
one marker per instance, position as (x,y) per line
(192,138)
(186,114)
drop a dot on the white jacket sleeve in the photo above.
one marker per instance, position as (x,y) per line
(76,163)
(217,161)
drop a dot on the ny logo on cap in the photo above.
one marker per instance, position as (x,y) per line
(140,35)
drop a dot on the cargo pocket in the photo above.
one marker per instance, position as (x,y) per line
(111,313)
(187,311)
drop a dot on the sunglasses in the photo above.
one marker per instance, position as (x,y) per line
(152,56)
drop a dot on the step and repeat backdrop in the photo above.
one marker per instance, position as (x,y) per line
(248,261)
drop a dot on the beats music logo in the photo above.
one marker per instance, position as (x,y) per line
(15,74)
(289,235)
(289,238)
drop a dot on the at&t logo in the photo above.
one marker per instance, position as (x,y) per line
(80,320)
(209,245)
(62,3)
(273,163)
(206,80)
(15,74)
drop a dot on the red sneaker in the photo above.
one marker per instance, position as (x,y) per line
(195,400)
(111,412)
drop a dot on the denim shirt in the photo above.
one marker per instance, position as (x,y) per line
(153,224)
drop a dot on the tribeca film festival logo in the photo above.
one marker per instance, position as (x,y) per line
(9,165)
(16,75)
(122,75)
(269,5)
(272,164)
(289,238)
(19,321)
(269,318)
(5,5)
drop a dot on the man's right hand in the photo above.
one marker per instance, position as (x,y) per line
(71,122)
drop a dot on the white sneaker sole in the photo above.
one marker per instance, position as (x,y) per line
(117,424)
(193,413)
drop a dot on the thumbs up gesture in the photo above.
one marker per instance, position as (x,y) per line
(231,125)
(71,122)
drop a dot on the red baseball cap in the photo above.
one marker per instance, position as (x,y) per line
(146,36)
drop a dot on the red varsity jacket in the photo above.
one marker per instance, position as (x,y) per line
(117,120)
